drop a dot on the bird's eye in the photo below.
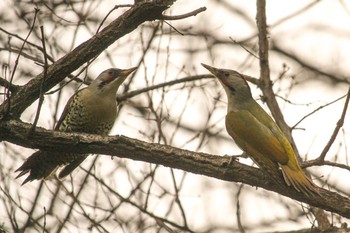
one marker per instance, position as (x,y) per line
(113,73)
(226,74)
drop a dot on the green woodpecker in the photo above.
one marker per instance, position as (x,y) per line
(90,110)
(257,134)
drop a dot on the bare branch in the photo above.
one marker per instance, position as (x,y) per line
(7,107)
(266,84)
(41,94)
(194,162)
(317,109)
(184,16)
(9,86)
(318,162)
(340,123)
(161,85)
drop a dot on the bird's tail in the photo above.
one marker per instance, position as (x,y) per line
(42,165)
(39,165)
(71,166)
(293,175)
(297,178)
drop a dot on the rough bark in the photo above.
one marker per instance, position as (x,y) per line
(194,162)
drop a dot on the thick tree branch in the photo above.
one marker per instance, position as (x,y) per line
(194,162)
(124,24)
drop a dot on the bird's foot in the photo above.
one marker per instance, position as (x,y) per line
(243,155)
(233,158)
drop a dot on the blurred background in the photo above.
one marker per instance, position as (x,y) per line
(309,62)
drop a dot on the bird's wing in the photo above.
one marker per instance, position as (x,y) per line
(267,120)
(66,110)
(252,135)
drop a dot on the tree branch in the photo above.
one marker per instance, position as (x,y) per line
(189,14)
(10,86)
(340,124)
(162,85)
(320,71)
(266,84)
(194,162)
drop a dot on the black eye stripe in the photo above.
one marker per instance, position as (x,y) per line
(232,89)
(102,84)
(229,86)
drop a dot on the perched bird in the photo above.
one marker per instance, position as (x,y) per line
(90,110)
(257,134)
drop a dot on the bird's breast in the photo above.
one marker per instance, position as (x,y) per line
(90,113)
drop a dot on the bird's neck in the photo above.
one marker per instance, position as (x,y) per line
(105,93)
(238,102)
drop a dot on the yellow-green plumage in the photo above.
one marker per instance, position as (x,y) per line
(90,110)
(257,134)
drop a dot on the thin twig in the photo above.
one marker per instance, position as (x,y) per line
(161,85)
(142,209)
(317,109)
(244,47)
(183,16)
(296,13)
(306,65)
(44,219)
(16,64)
(71,78)
(177,199)
(34,204)
(238,209)
(41,95)
(25,41)
(318,162)
(104,19)
(175,29)
(75,197)
(340,123)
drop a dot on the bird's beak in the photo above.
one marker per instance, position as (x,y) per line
(210,68)
(127,71)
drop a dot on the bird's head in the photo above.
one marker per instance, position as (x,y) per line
(233,82)
(109,80)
